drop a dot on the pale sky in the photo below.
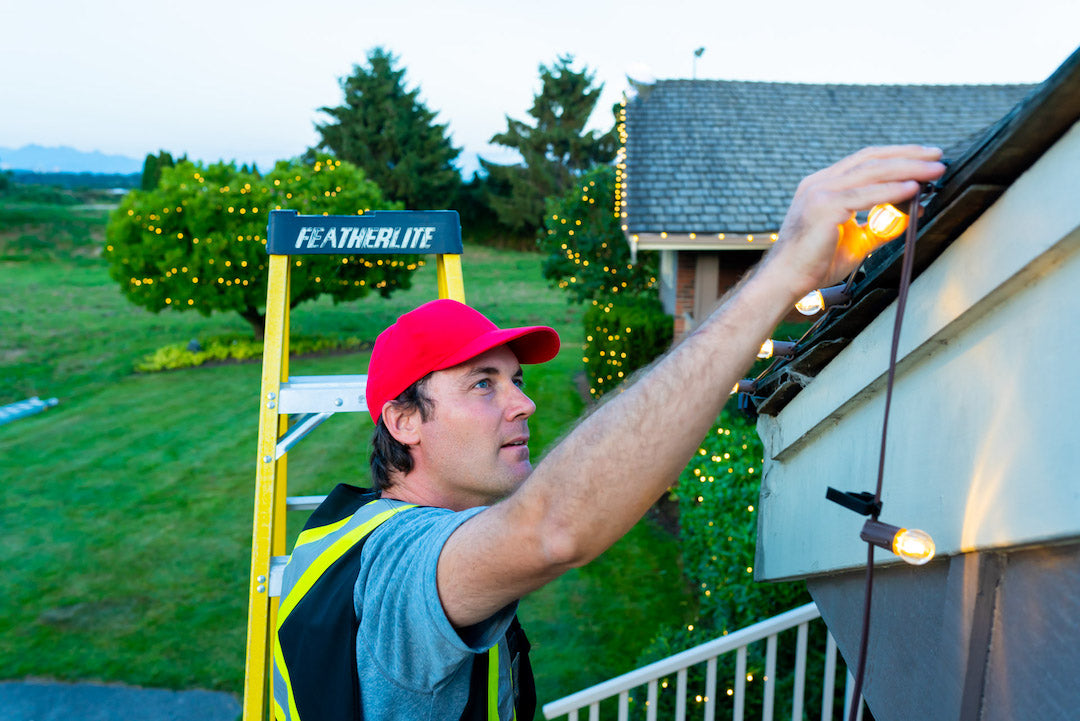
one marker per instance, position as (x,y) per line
(244,80)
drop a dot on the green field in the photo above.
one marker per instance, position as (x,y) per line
(126,509)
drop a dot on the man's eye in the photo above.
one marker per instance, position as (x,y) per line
(519,382)
(483,384)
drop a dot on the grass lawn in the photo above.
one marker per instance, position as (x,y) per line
(127,509)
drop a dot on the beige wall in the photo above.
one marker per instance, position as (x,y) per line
(983,447)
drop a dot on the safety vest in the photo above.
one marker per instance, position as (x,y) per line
(315,677)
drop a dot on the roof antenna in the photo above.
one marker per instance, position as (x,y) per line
(697,54)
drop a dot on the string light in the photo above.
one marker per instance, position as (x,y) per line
(818,300)
(884,222)
(772,348)
(911,544)
(746,385)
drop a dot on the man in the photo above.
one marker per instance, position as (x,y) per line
(439,584)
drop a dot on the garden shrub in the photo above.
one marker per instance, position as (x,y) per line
(717,494)
(235,347)
(621,337)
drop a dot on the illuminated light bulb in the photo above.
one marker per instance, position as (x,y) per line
(775,347)
(886,221)
(817,300)
(811,304)
(912,545)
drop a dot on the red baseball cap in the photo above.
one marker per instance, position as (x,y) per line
(438,335)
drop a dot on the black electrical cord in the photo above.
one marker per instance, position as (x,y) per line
(901,302)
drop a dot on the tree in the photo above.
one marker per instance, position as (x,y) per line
(152,167)
(555,150)
(385,130)
(586,252)
(197,240)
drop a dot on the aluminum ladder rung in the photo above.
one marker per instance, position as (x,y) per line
(277,570)
(305,424)
(323,394)
(303,503)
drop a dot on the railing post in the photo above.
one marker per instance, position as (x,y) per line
(740,684)
(680,698)
(849,688)
(710,690)
(799,694)
(830,677)
(770,680)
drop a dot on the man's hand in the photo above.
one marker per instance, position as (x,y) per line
(807,254)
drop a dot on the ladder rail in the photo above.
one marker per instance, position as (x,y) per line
(268,467)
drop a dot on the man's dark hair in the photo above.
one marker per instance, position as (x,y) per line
(387,453)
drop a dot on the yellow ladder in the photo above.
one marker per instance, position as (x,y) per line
(313,399)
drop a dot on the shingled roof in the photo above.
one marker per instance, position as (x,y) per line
(725,156)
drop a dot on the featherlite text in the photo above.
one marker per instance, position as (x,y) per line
(409,238)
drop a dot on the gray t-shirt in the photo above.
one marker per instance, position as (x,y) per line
(413,665)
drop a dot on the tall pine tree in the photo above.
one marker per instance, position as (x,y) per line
(555,149)
(385,130)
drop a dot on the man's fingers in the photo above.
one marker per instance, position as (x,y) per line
(876,164)
(886,152)
(878,180)
(883,170)
(866,196)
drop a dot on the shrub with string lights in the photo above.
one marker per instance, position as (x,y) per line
(197,240)
(717,494)
(588,257)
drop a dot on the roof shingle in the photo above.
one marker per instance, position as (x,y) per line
(726,156)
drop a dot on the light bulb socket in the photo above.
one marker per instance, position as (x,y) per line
(783,348)
(747,385)
(879,533)
(834,295)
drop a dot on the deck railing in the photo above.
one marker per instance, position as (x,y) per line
(708,653)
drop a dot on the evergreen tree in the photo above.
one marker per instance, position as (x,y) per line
(385,130)
(555,150)
(153,165)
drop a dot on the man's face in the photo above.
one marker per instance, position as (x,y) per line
(475,444)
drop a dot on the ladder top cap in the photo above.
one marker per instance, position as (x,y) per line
(378,232)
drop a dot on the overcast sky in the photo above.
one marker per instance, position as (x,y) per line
(244,80)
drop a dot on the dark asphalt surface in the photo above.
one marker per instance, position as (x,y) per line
(52,701)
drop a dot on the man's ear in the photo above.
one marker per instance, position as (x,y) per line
(404,425)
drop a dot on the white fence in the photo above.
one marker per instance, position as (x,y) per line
(651,676)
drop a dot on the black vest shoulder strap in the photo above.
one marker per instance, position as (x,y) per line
(522,682)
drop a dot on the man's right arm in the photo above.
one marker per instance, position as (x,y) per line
(596,484)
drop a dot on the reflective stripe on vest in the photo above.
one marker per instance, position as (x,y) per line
(317,550)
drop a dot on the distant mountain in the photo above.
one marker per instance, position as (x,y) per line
(63,159)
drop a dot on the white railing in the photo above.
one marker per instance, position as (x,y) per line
(650,676)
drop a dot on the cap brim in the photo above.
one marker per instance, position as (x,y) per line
(531,344)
